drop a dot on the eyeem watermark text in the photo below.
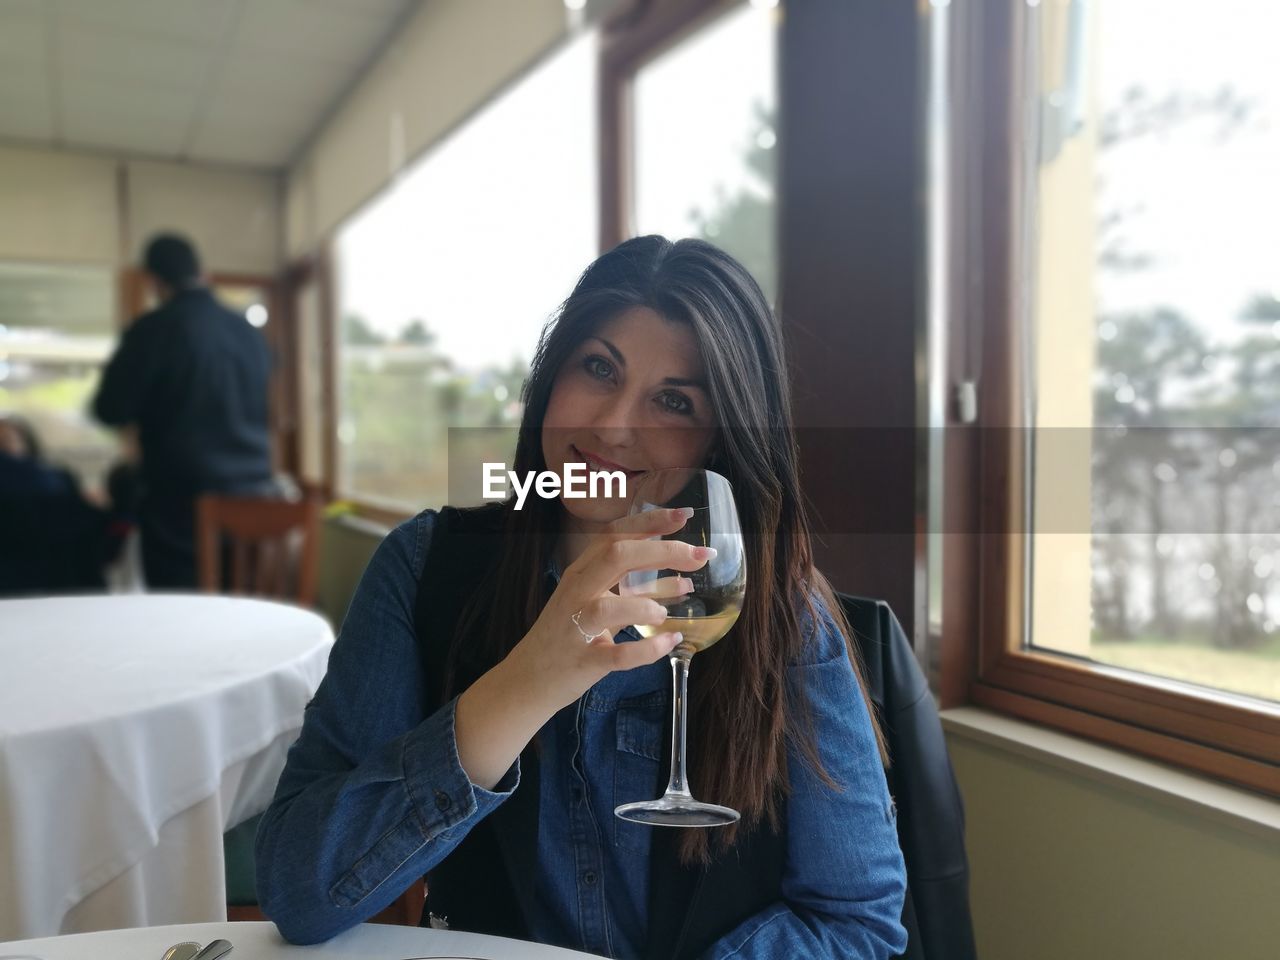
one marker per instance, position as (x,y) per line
(579,483)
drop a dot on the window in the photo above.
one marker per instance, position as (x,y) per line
(1156,322)
(1130,368)
(705,139)
(57,330)
(444,282)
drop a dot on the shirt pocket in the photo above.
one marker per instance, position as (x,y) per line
(642,723)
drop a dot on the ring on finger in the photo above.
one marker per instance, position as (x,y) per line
(586,637)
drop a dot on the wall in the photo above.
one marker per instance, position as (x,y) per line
(68,207)
(450,58)
(346,545)
(1066,865)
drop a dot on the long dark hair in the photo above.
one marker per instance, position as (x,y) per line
(742,716)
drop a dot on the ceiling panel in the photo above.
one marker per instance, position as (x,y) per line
(242,81)
(24,123)
(273,26)
(26,81)
(12,10)
(253,84)
(159,21)
(108,56)
(22,39)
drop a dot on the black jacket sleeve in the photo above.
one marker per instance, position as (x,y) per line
(124,383)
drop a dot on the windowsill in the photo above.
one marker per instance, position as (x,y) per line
(1147,779)
(360,524)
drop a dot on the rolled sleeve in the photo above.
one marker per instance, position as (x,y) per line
(443,806)
(440,789)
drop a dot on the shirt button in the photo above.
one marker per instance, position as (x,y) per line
(443,802)
(589,878)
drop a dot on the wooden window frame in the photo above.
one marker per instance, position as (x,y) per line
(318,269)
(630,40)
(1219,735)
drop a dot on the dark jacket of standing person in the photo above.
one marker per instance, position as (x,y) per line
(192,375)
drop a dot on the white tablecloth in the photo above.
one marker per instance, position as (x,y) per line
(133,731)
(260,941)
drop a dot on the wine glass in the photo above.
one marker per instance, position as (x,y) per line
(703,615)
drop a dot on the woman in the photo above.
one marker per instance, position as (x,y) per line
(465,731)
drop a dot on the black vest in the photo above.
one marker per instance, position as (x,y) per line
(486,884)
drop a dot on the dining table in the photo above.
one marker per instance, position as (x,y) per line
(256,940)
(134,731)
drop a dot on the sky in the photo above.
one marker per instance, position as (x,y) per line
(1210,214)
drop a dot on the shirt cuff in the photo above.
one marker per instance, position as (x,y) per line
(442,794)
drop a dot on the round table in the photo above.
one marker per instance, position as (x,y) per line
(260,941)
(134,730)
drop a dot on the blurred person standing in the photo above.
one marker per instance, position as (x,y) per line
(192,376)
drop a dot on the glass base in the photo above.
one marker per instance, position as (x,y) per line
(677,812)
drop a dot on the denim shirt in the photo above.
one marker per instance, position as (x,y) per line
(373,796)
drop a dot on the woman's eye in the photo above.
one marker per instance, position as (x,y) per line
(676,403)
(598,366)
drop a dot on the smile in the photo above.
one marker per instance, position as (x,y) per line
(596,463)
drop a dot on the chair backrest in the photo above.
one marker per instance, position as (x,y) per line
(930,818)
(264,546)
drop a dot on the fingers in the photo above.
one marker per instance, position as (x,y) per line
(601,567)
(649,523)
(612,613)
(636,653)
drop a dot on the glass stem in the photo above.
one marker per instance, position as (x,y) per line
(679,785)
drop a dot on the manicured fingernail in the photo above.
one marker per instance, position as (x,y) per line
(704,553)
(684,513)
(686,585)
(677,639)
(659,612)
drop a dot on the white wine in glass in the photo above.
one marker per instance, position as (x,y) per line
(704,616)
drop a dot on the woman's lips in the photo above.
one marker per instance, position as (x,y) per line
(596,463)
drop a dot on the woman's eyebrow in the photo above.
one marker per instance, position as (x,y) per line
(617,354)
(667,381)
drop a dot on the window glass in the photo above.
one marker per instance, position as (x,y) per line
(56,333)
(706,120)
(445,280)
(1155,332)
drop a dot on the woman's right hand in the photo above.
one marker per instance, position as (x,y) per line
(553,665)
(560,664)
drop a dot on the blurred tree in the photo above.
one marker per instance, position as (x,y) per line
(1150,374)
(743,223)
(416,332)
(356,332)
(1143,370)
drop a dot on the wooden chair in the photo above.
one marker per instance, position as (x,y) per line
(248,545)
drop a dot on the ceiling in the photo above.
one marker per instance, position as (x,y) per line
(216,81)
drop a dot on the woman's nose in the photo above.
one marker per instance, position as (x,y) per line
(615,422)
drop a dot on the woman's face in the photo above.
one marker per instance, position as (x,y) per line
(631,397)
